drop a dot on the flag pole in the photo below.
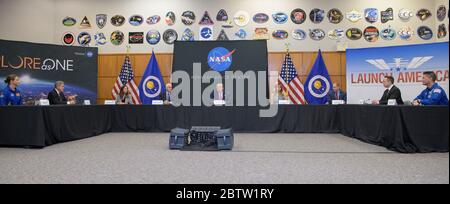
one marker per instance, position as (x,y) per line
(286,93)
(128,50)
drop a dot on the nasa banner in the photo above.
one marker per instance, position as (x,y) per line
(366,69)
(223,57)
(40,65)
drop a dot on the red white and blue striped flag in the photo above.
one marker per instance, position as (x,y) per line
(126,78)
(291,82)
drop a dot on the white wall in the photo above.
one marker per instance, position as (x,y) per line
(28,20)
(40,21)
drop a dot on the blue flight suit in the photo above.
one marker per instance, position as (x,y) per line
(10,97)
(433,96)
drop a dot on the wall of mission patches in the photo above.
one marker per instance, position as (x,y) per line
(87,30)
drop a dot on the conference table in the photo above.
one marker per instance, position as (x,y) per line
(404,129)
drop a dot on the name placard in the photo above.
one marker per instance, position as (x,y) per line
(110,102)
(157,102)
(392,102)
(284,102)
(219,102)
(338,102)
(44,102)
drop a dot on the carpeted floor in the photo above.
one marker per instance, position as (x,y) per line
(257,158)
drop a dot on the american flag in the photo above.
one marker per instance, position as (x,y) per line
(291,82)
(126,78)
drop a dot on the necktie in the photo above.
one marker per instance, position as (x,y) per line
(386,94)
(337,95)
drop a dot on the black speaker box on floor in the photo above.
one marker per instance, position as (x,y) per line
(201,139)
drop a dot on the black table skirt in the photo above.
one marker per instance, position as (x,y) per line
(399,128)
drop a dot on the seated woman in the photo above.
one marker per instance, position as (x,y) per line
(281,95)
(124,97)
(11,95)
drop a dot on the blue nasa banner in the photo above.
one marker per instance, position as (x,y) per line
(366,69)
(39,66)
(152,85)
(222,57)
(318,84)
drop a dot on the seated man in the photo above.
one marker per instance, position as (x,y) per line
(337,94)
(433,94)
(219,93)
(167,97)
(56,96)
(391,93)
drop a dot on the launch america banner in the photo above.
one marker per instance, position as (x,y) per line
(366,69)
(40,65)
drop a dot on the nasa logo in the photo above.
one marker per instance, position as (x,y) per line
(220,59)
(152,87)
(89,54)
(319,86)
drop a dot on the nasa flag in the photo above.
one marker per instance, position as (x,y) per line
(152,83)
(318,83)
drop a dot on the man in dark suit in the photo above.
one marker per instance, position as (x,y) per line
(57,97)
(391,92)
(337,94)
(167,96)
(219,93)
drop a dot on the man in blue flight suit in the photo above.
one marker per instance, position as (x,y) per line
(11,95)
(433,94)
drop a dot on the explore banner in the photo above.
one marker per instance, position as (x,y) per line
(40,65)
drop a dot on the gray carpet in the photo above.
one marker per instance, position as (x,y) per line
(257,158)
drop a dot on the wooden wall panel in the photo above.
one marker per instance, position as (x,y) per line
(140,63)
(109,66)
(333,63)
(344,71)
